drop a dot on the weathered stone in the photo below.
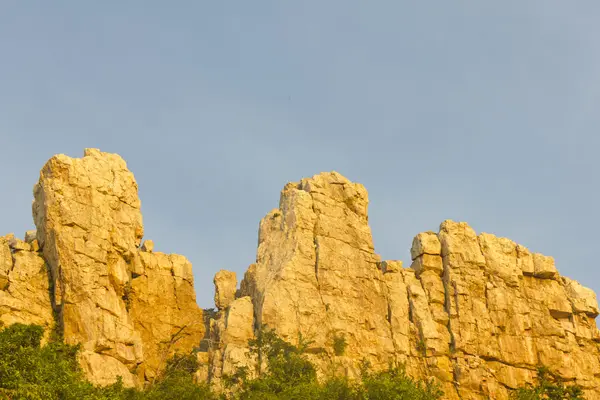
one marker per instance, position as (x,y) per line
(148,246)
(105,368)
(229,336)
(544,267)
(501,258)
(525,260)
(582,299)
(128,309)
(425,243)
(428,262)
(239,322)
(88,220)
(477,313)
(24,297)
(30,236)
(317,274)
(225,288)
(391,266)
(17,244)
(35,246)
(202,374)
(6,263)
(162,305)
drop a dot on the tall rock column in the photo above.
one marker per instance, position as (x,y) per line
(89,226)
(317,276)
(230,331)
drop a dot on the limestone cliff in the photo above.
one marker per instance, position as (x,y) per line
(86,275)
(476,312)
(24,286)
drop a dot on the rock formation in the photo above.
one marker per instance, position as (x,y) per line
(129,308)
(24,285)
(477,313)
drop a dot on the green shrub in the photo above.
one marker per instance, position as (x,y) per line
(548,388)
(30,371)
(33,372)
(393,383)
(177,382)
(339,345)
(290,376)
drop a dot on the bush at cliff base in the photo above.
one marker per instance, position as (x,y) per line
(34,372)
(549,387)
(31,371)
(289,375)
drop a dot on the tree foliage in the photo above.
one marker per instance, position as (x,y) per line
(31,371)
(51,372)
(290,375)
(549,388)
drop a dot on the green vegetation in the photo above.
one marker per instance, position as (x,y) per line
(51,372)
(291,376)
(29,371)
(34,372)
(339,345)
(549,388)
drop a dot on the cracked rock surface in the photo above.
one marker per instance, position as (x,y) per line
(478,313)
(24,288)
(128,308)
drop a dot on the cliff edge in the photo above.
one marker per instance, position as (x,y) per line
(84,274)
(478,313)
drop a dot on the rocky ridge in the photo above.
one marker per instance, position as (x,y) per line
(84,275)
(478,313)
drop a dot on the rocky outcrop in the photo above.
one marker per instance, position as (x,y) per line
(128,307)
(225,288)
(89,227)
(230,331)
(162,306)
(24,284)
(477,313)
(307,249)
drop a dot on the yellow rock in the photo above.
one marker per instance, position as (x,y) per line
(225,288)
(477,313)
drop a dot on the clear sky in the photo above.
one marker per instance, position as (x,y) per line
(485,112)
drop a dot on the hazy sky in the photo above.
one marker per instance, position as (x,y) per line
(485,112)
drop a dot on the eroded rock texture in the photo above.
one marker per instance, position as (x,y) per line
(163,308)
(24,289)
(128,308)
(476,312)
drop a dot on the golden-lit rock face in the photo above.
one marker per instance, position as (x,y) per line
(122,304)
(478,313)
(24,285)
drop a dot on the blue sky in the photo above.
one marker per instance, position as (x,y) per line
(485,112)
